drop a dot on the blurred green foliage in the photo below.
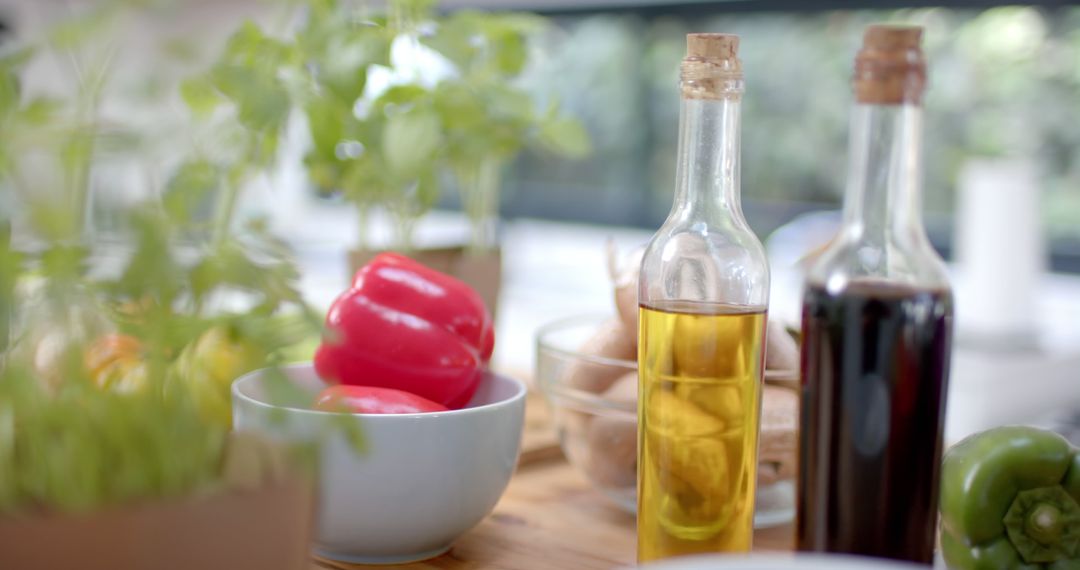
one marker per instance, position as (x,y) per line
(187,286)
(444,102)
(1003,81)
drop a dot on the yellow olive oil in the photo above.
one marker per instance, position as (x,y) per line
(700,374)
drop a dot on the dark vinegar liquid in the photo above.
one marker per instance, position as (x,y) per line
(875,365)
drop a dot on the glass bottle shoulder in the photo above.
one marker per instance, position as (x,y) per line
(695,261)
(849,258)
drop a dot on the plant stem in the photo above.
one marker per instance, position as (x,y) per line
(7,287)
(480,194)
(405,223)
(1044,523)
(363,215)
(226,209)
(90,93)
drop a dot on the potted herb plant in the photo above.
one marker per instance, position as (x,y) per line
(115,442)
(487,122)
(399,104)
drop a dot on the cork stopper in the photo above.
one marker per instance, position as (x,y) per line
(711,69)
(712,46)
(890,69)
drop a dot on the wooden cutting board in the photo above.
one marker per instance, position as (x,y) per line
(539,441)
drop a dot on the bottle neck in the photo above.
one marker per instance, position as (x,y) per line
(882,203)
(707,172)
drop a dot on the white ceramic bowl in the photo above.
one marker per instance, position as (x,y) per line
(423,481)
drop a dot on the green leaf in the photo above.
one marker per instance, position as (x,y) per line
(263,153)
(344,70)
(401,95)
(454,39)
(64,262)
(509,103)
(187,192)
(261,102)
(152,270)
(326,117)
(483,43)
(10,88)
(285,392)
(510,53)
(410,141)
(52,220)
(322,9)
(365,181)
(250,46)
(76,151)
(427,190)
(459,107)
(181,49)
(225,265)
(40,111)
(10,267)
(14,60)
(324,173)
(72,33)
(376,40)
(414,10)
(249,75)
(200,96)
(565,137)
(246,43)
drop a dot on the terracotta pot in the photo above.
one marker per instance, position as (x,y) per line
(482,271)
(268,529)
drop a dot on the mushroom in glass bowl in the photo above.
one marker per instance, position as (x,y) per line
(586,367)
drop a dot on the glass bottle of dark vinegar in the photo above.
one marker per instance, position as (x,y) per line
(876,321)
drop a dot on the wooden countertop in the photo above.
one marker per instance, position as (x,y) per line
(551,518)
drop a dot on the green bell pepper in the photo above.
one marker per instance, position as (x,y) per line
(1009,500)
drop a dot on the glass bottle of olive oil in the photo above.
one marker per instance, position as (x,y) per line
(703,292)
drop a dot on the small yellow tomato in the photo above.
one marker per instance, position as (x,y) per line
(209,365)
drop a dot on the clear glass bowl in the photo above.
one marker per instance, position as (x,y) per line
(598,434)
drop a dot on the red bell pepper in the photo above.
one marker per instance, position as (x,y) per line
(405,326)
(372,400)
